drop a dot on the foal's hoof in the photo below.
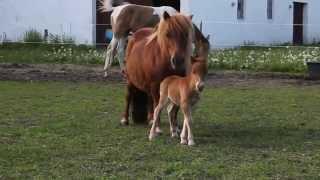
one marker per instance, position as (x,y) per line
(158,131)
(191,143)
(124,122)
(184,142)
(152,136)
(174,135)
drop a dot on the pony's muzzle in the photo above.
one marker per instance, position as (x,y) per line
(177,63)
(172,62)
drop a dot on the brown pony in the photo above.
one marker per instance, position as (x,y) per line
(152,55)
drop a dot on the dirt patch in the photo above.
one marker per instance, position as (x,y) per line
(94,73)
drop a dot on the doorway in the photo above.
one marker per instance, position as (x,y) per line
(103,24)
(298,22)
(173,3)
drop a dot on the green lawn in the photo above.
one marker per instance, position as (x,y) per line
(283,59)
(72,131)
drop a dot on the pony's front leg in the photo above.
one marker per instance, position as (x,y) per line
(111,52)
(125,117)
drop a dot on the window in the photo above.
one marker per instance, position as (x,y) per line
(270,9)
(240,12)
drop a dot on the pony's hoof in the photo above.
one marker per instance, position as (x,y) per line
(183,142)
(124,122)
(191,143)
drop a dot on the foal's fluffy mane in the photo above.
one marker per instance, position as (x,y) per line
(177,24)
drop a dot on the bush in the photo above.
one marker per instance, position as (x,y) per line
(32,35)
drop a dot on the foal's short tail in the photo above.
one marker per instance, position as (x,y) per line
(108,5)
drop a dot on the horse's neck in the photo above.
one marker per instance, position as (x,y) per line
(190,80)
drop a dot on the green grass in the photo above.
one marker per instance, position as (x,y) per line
(52,54)
(72,131)
(290,60)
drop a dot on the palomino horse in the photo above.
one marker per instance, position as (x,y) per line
(185,93)
(127,18)
(149,58)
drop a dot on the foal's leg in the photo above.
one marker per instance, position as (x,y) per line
(187,119)
(111,52)
(155,93)
(172,114)
(125,118)
(184,133)
(153,131)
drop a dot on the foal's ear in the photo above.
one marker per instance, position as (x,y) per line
(166,15)
(208,37)
(191,16)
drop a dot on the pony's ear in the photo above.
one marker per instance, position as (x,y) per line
(166,15)
(208,37)
(191,16)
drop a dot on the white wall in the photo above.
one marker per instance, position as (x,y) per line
(220,20)
(72,17)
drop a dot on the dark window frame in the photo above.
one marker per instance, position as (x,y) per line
(240,9)
(270,9)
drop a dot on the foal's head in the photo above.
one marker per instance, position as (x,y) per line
(202,43)
(198,73)
(174,36)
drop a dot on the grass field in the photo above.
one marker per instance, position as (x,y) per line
(72,131)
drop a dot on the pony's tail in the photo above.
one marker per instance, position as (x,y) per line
(108,5)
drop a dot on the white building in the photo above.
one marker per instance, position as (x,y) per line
(70,17)
(230,22)
(235,22)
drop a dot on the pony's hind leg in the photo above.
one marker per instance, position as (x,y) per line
(111,52)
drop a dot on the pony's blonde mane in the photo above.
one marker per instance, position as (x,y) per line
(177,25)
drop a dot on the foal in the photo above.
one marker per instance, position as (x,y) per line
(183,92)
